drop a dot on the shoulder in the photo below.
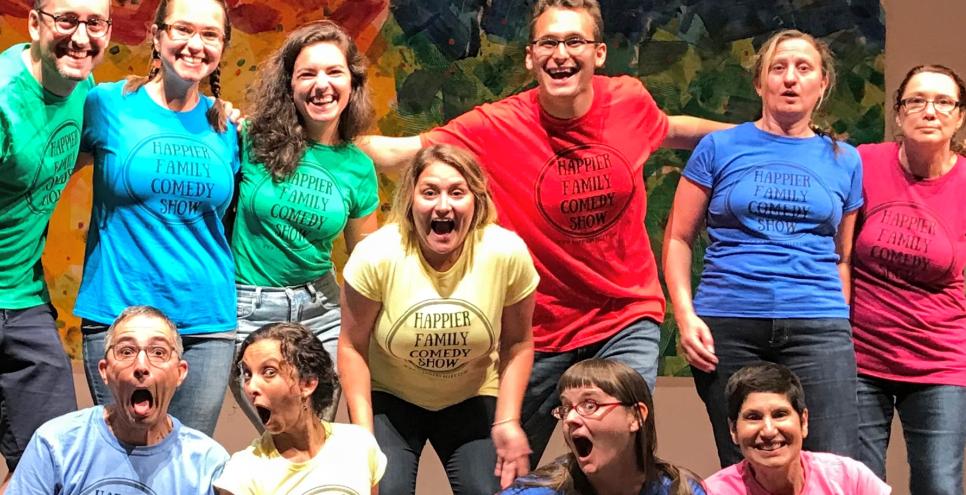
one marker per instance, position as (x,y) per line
(11,65)
(69,424)
(195,442)
(358,156)
(501,240)
(350,433)
(386,236)
(728,481)
(873,152)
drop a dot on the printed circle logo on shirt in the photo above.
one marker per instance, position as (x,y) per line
(56,166)
(584,190)
(331,490)
(118,486)
(306,207)
(906,242)
(441,336)
(177,179)
(780,201)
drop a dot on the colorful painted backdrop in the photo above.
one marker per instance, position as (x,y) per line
(435,59)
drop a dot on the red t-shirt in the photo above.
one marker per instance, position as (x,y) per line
(574,191)
(909,308)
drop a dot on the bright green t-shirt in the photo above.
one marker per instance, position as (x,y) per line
(284,228)
(39,139)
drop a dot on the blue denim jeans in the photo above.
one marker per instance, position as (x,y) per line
(460,434)
(636,345)
(36,382)
(315,305)
(932,423)
(197,403)
(818,350)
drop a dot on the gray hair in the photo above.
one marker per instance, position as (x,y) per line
(151,311)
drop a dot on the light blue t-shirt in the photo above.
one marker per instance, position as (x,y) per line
(77,454)
(162,182)
(775,207)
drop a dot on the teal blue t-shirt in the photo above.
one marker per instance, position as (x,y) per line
(284,229)
(162,182)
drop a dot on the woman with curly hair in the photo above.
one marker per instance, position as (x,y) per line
(164,165)
(303,183)
(288,377)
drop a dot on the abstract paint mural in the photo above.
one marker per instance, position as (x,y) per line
(432,60)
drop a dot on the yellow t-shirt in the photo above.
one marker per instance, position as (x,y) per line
(436,339)
(350,463)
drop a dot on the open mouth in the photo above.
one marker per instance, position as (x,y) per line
(789,94)
(264,413)
(769,447)
(582,445)
(322,100)
(142,401)
(561,72)
(442,226)
(191,60)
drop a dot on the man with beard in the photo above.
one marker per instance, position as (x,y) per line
(565,162)
(132,445)
(43,85)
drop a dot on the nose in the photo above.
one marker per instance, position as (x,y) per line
(791,76)
(444,203)
(142,367)
(768,428)
(80,35)
(194,41)
(930,108)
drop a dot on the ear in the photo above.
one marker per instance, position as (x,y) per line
(600,55)
(734,432)
(527,59)
(308,386)
(635,424)
(33,25)
(182,371)
(102,369)
(805,423)
(155,37)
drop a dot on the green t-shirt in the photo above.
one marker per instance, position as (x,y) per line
(39,139)
(284,228)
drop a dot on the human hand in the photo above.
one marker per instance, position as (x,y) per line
(512,451)
(697,342)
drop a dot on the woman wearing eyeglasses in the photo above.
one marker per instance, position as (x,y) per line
(909,306)
(607,419)
(164,166)
(780,198)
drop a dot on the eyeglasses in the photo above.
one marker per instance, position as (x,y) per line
(157,354)
(573,45)
(67,24)
(182,32)
(943,104)
(586,408)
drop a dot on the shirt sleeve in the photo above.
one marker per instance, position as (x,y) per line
(522,276)
(377,460)
(236,475)
(700,167)
(92,120)
(855,198)
(36,473)
(866,482)
(653,115)
(366,193)
(366,267)
(463,131)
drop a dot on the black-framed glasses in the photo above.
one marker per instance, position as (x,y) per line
(157,354)
(587,408)
(942,104)
(67,24)
(573,44)
(179,31)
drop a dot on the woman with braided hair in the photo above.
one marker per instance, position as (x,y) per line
(164,165)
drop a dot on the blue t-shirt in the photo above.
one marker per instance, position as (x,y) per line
(162,182)
(77,454)
(775,207)
(522,487)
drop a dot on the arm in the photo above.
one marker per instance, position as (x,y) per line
(389,153)
(357,229)
(843,247)
(684,132)
(684,222)
(358,319)
(516,359)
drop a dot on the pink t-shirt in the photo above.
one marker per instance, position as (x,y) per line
(909,306)
(825,474)
(574,191)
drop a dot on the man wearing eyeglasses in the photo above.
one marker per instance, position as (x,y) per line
(43,85)
(565,162)
(131,446)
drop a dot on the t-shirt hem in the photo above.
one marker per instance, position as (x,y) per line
(433,407)
(106,320)
(777,316)
(923,379)
(18,304)
(599,336)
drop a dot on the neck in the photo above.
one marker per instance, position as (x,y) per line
(49,78)
(302,442)
(618,478)
(173,93)
(326,133)
(567,108)
(135,433)
(926,161)
(800,127)
(784,481)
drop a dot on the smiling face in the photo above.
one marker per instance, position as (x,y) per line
(271,387)
(565,76)
(769,431)
(442,210)
(929,125)
(605,439)
(791,82)
(142,388)
(321,88)
(70,56)
(191,59)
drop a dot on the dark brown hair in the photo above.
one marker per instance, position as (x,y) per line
(276,133)
(763,378)
(217,116)
(954,145)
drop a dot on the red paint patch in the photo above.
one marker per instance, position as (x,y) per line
(254,18)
